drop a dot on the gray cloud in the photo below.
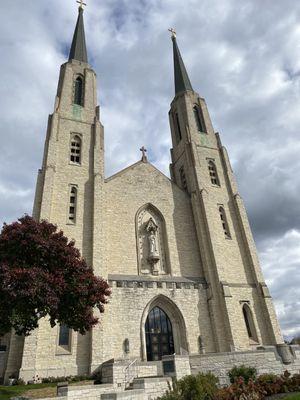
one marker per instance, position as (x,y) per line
(243,57)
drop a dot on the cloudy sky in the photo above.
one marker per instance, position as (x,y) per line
(243,56)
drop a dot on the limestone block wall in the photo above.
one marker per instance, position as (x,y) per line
(43,356)
(184,301)
(125,194)
(265,361)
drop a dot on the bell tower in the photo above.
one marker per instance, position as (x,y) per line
(73,155)
(69,193)
(240,306)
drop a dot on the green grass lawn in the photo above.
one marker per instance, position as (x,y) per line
(6,392)
(295,396)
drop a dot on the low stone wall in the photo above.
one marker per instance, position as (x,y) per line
(88,392)
(153,387)
(150,368)
(266,360)
(128,395)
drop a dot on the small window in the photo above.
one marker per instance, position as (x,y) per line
(250,327)
(177,128)
(224,223)
(64,336)
(75,151)
(199,119)
(78,91)
(73,204)
(213,173)
(183,178)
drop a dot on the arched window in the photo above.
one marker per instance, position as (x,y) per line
(78,91)
(73,204)
(177,128)
(159,335)
(213,173)
(64,336)
(224,223)
(199,119)
(75,151)
(247,313)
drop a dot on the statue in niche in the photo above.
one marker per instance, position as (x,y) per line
(151,242)
(153,251)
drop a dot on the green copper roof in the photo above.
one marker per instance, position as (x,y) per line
(182,80)
(78,49)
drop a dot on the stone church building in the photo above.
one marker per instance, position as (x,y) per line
(178,252)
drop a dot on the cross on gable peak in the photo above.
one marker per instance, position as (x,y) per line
(144,151)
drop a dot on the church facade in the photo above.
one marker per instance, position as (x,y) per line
(178,253)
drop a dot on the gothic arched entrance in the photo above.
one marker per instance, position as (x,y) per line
(159,335)
(163,330)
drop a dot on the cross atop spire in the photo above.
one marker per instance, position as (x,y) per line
(182,80)
(172,30)
(78,49)
(81,4)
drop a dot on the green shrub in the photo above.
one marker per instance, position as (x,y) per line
(193,387)
(242,372)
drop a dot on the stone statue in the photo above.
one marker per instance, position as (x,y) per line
(153,257)
(152,244)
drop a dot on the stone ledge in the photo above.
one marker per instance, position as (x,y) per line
(168,282)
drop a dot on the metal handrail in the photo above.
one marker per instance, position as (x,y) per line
(130,372)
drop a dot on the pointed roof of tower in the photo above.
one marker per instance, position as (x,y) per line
(182,80)
(78,49)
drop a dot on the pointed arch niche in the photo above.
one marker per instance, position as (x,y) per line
(152,247)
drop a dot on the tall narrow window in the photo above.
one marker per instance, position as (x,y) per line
(178,129)
(73,204)
(199,119)
(224,223)
(78,91)
(64,336)
(249,322)
(213,173)
(75,153)
(183,178)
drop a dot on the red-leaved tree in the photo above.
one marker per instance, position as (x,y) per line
(43,274)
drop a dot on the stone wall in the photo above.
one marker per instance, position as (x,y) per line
(265,361)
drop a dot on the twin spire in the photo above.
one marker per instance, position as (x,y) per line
(78,52)
(182,80)
(78,49)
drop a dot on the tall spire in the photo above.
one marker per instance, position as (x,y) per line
(78,49)
(182,80)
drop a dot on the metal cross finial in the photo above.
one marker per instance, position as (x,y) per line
(81,4)
(144,151)
(172,30)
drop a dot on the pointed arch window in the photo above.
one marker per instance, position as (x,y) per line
(73,204)
(75,150)
(78,91)
(224,223)
(213,173)
(248,318)
(199,119)
(177,127)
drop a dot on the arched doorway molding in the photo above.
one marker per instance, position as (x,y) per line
(177,321)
